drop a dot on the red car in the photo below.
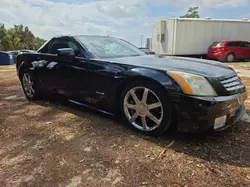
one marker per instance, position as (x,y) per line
(229,50)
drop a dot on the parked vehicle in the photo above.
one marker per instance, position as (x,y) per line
(151,93)
(27,51)
(192,36)
(6,58)
(229,50)
(147,51)
(16,52)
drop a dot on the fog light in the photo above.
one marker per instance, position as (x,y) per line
(220,122)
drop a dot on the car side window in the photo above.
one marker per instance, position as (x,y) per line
(231,44)
(238,44)
(45,49)
(57,44)
(64,43)
(241,44)
(247,44)
(75,48)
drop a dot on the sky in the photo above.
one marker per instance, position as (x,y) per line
(127,19)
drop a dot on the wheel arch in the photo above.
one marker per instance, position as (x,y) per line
(20,69)
(156,77)
(24,67)
(231,52)
(22,64)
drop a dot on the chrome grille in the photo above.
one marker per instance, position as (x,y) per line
(232,83)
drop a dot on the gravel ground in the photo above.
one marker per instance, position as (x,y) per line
(57,144)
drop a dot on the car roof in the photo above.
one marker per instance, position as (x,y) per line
(232,41)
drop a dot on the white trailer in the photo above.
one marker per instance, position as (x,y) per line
(189,36)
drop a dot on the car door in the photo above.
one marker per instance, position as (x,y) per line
(43,67)
(59,74)
(77,86)
(104,76)
(233,47)
(242,50)
(72,77)
(50,70)
(230,47)
(103,79)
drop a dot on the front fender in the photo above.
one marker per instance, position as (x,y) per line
(25,61)
(160,76)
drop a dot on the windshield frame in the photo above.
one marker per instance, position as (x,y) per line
(93,55)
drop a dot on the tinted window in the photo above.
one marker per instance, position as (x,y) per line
(44,49)
(63,43)
(240,44)
(247,44)
(57,44)
(73,46)
(244,44)
(232,44)
(108,47)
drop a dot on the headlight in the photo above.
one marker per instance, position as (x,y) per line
(193,84)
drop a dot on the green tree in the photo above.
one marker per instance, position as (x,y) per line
(4,38)
(18,37)
(14,39)
(193,12)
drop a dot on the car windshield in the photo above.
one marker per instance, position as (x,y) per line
(216,44)
(109,47)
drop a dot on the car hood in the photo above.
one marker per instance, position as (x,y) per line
(207,68)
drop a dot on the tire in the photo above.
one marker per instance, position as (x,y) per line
(156,118)
(230,57)
(30,86)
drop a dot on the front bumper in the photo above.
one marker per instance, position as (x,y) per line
(198,114)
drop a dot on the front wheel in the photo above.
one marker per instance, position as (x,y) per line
(146,107)
(29,85)
(230,57)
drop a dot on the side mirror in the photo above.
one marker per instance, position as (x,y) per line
(67,54)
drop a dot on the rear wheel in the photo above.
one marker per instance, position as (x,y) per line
(146,107)
(230,57)
(29,85)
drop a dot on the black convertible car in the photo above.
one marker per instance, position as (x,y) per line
(151,93)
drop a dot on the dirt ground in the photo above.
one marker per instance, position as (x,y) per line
(56,144)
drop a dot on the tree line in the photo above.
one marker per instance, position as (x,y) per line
(18,37)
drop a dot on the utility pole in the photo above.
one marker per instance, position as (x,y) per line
(141,40)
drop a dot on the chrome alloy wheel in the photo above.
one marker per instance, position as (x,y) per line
(28,85)
(143,109)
